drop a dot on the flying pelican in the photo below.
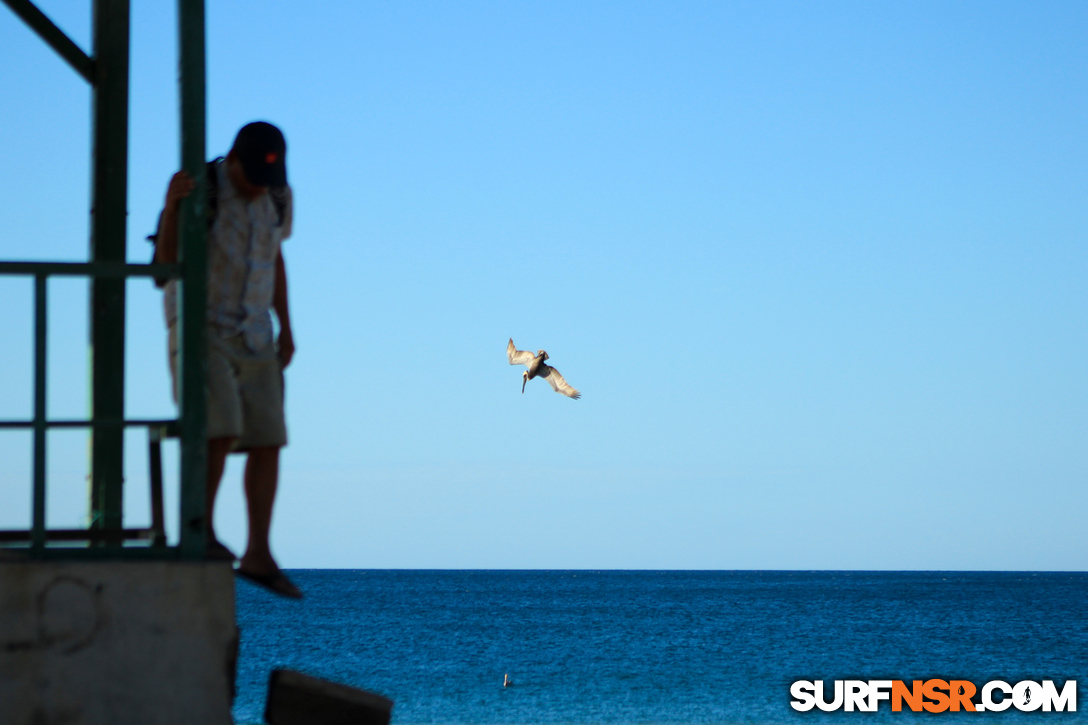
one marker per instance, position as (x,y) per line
(537,369)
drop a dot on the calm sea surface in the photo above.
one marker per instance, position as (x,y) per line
(660,647)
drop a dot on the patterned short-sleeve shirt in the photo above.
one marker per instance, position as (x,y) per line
(243,245)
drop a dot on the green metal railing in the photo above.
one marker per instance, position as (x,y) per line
(38,536)
(108,73)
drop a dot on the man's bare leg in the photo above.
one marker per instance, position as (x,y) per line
(218,449)
(262,478)
(257,565)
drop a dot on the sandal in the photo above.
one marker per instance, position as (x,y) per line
(275,582)
(217,552)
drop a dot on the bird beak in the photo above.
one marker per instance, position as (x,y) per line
(524,379)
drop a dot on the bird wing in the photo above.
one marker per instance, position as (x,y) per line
(518,357)
(557,382)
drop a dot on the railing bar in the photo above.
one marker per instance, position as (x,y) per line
(87,423)
(193,297)
(54,37)
(81,552)
(91,269)
(158,518)
(8,536)
(38,525)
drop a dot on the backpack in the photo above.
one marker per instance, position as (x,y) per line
(279,201)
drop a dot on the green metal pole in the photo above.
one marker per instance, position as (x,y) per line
(37,532)
(108,209)
(192,293)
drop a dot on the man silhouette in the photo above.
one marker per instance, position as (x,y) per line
(247,279)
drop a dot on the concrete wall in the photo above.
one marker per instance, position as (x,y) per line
(108,643)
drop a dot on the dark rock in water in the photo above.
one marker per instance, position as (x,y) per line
(298,699)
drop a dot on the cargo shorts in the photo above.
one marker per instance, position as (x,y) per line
(244,391)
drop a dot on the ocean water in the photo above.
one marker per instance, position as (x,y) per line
(660,647)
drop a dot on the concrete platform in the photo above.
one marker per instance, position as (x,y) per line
(106,643)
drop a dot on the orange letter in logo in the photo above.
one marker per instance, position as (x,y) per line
(900,693)
(961,692)
(932,690)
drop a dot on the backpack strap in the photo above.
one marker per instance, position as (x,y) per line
(278,194)
(279,200)
(211,178)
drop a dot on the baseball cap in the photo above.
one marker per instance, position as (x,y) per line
(261,149)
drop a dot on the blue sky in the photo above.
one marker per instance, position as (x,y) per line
(817,268)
